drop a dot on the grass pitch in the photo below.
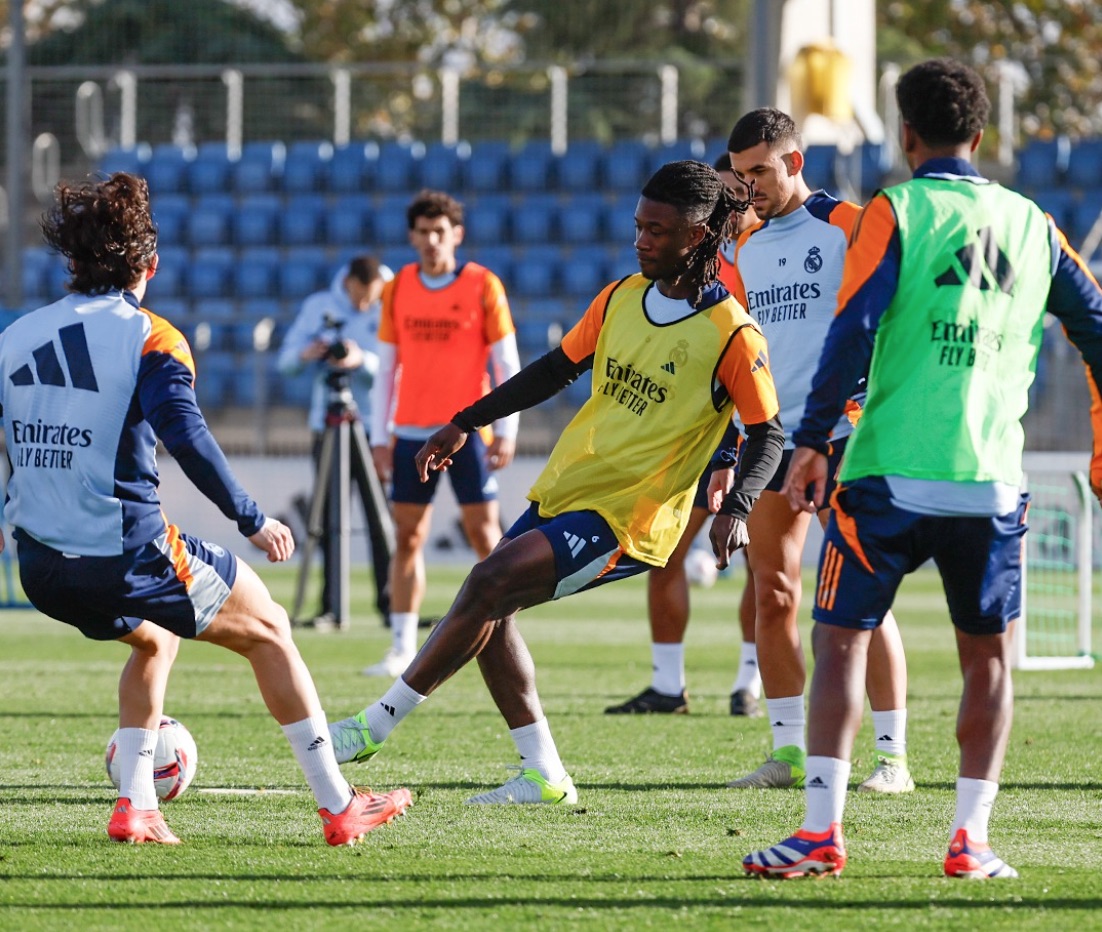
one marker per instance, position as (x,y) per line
(655,841)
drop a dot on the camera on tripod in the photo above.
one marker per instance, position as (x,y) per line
(336,349)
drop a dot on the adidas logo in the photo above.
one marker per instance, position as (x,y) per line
(74,346)
(817,783)
(778,724)
(145,752)
(760,363)
(574,542)
(389,708)
(670,368)
(885,738)
(318,742)
(984,266)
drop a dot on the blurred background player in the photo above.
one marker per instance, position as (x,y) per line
(612,501)
(95,549)
(946,288)
(445,324)
(787,273)
(668,586)
(336,331)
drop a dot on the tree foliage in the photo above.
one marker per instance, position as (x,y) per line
(1055,46)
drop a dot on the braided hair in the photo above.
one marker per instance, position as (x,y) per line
(105,230)
(700,195)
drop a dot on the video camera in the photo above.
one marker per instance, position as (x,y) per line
(336,349)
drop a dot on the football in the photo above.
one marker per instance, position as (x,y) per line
(174,759)
(700,568)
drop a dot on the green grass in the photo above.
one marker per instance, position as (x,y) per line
(655,841)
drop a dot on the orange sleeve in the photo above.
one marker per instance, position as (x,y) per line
(495,307)
(744,372)
(1096,430)
(844,216)
(164,338)
(388,333)
(873,229)
(581,339)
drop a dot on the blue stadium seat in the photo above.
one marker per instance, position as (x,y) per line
(580,220)
(875,162)
(620,221)
(36,268)
(625,165)
(256,220)
(677,151)
(583,274)
(134,160)
(536,272)
(1084,214)
(398,166)
(498,259)
(306,167)
(177,311)
(350,221)
(170,214)
(535,219)
(621,261)
(209,171)
(210,220)
(819,167)
(210,273)
(303,220)
(1043,162)
(214,375)
(1085,164)
(172,267)
(486,220)
(397,256)
(532,168)
(1060,203)
(391,227)
(304,271)
(352,167)
(487,168)
(579,167)
(442,165)
(260,167)
(167,171)
(256,274)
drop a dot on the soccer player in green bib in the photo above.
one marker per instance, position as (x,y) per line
(946,284)
(673,356)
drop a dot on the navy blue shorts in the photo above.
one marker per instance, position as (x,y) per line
(870,545)
(833,462)
(471,479)
(587,553)
(177,581)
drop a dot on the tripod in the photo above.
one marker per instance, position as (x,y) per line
(345,455)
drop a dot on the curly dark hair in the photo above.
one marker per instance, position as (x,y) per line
(105,230)
(700,195)
(433,204)
(943,101)
(768,125)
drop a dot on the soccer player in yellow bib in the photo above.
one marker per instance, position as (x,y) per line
(673,357)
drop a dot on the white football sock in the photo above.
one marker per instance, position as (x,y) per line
(135,748)
(890,728)
(974,801)
(668,662)
(397,702)
(309,740)
(825,785)
(403,630)
(749,674)
(537,749)
(786,716)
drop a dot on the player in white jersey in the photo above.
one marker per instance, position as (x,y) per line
(88,385)
(788,270)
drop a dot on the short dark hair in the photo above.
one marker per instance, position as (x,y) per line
(365,269)
(700,195)
(105,229)
(432,204)
(766,124)
(723,162)
(943,101)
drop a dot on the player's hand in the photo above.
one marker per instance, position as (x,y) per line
(275,539)
(383,457)
(719,484)
(500,453)
(353,357)
(806,468)
(727,535)
(438,449)
(315,350)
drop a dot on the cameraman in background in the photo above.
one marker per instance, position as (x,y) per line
(335,331)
